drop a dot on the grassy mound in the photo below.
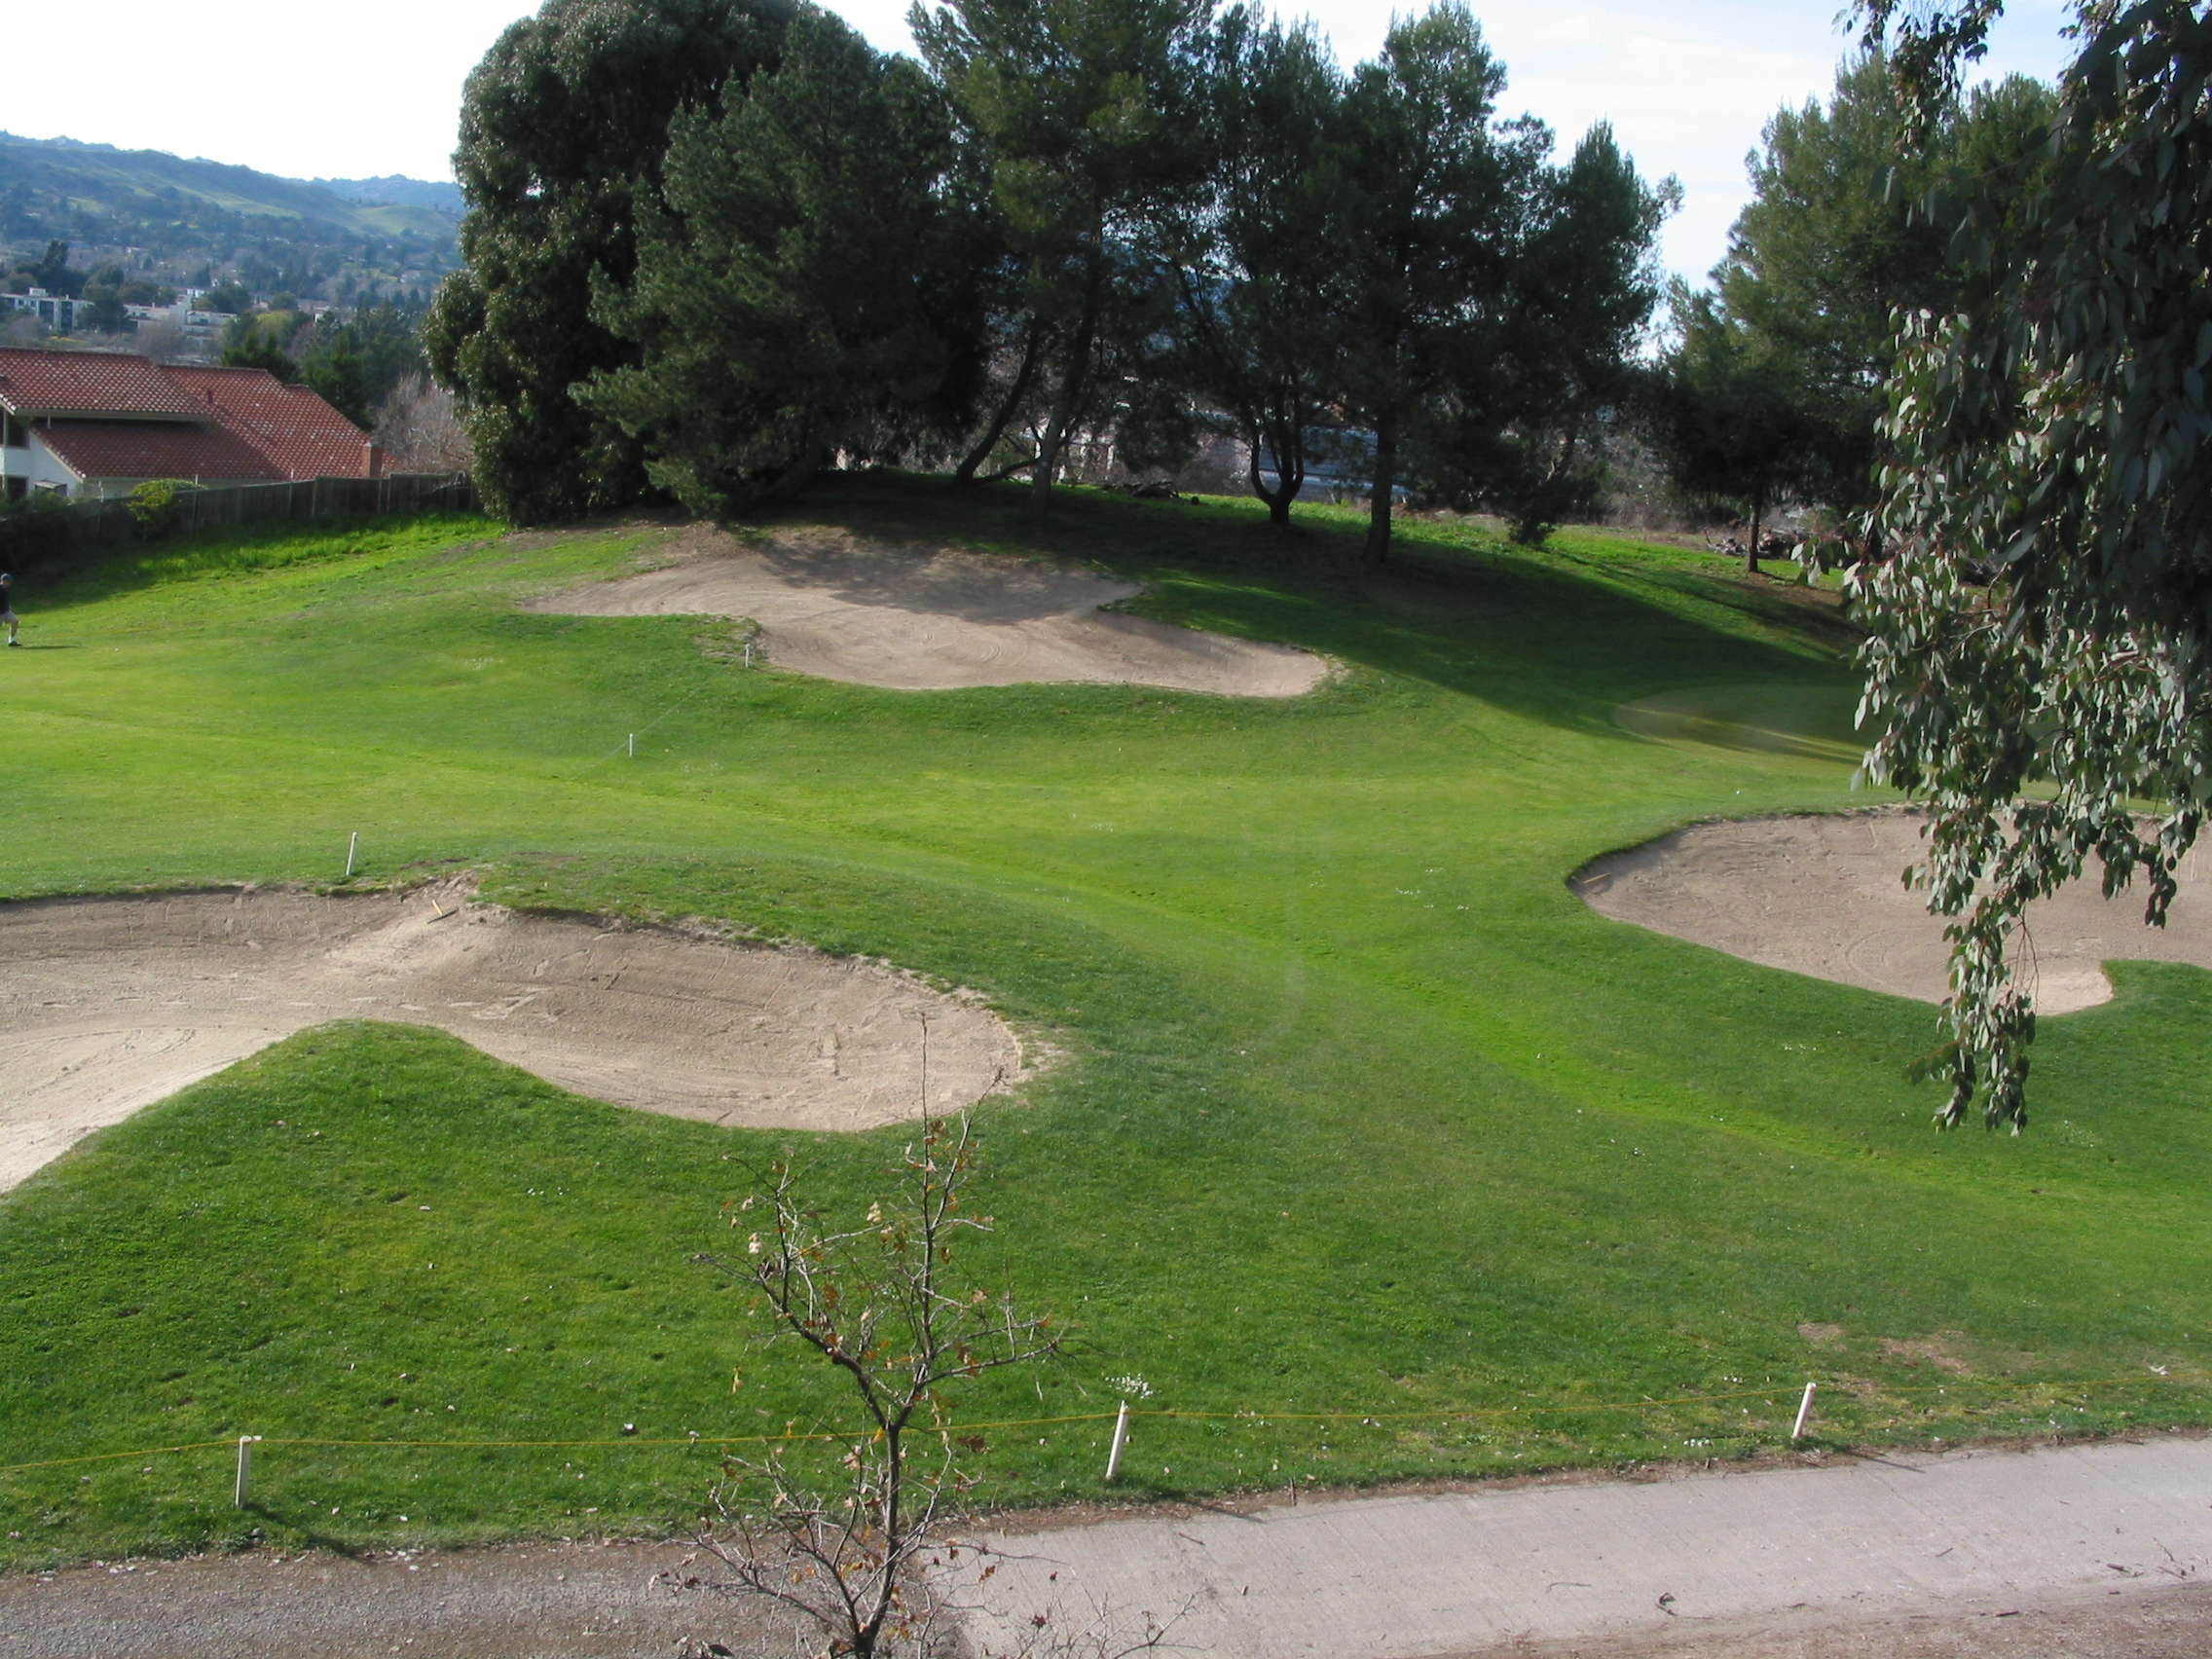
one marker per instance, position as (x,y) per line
(1363,1112)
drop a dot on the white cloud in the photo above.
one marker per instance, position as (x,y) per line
(338,93)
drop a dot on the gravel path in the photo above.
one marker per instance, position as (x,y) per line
(2082,1553)
(1813,1560)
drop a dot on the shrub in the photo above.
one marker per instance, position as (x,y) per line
(153,506)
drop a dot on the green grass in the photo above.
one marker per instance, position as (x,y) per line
(1361,1111)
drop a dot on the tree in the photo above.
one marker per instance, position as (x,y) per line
(1259,250)
(880,1303)
(1438,201)
(247,346)
(1833,244)
(1087,117)
(227,297)
(1726,411)
(2050,431)
(564,128)
(795,295)
(1514,427)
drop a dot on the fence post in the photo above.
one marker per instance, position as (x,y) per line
(1121,1438)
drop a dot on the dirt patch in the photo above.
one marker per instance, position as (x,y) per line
(107,1005)
(1825,897)
(933,619)
(1819,1333)
(1933,1350)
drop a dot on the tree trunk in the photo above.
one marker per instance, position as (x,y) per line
(1290,478)
(1376,552)
(1752,553)
(1056,428)
(797,476)
(1031,350)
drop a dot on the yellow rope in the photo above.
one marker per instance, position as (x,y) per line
(1532,1409)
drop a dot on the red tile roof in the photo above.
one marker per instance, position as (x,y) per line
(89,382)
(145,449)
(300,434)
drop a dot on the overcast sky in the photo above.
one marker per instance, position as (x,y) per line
(349,92)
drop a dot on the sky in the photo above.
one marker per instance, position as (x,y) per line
(319,91)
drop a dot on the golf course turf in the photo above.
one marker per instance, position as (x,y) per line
(1358,1110)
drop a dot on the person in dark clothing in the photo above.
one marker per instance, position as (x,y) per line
(8,605)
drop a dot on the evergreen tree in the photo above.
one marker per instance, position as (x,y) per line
(1087,117)
(798,293)
(1260,256)
(564,128)
(1439,198)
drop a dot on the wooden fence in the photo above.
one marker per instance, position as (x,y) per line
(39,534)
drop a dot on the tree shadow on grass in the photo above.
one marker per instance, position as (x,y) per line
(1562,635)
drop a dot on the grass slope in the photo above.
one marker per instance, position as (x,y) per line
(1362,1111)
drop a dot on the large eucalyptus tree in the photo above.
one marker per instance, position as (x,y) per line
(2050,429)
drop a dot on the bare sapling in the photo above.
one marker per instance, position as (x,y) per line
(835,1540)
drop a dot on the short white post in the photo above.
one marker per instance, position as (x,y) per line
(632,746)
(352,846)
(1121,1438)
(749,653)
(245,1468)
(1804,1410)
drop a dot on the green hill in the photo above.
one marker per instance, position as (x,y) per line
(95,196)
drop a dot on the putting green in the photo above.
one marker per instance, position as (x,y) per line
(1806,724)
(1358,1109)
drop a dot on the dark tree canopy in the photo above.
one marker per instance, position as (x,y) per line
(800,292)
(1259,255)
(1087,117)
(1438,206)
(2050,427)
(563,128)
(1514,429)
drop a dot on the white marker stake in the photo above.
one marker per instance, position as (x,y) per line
(632,746)
(1120,1436)
(1804,1410)
(245,1468)
(352,846)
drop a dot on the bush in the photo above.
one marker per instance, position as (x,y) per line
(153,506)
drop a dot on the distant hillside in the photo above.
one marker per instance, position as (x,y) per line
(181,213)
(396,190)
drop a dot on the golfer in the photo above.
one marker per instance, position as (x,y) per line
(7,606)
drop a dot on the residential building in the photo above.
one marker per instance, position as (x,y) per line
(97,424)
(58,312)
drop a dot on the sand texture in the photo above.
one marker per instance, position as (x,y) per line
(933,619)
(107,1005)
(1823,896)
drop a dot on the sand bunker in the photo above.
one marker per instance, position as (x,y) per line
(921,620)
(107,1005)
(1821,896)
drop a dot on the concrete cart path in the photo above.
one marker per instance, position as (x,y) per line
(1617,1564)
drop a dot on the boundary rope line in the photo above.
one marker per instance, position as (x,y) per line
(1441,1413)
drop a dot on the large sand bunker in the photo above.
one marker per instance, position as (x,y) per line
(107,1005)
(933,620)
(1823,896)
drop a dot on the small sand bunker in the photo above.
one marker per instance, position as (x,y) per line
(933,620)
(107,1005)
(1823,896)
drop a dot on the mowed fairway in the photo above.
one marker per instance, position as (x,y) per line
(1361,1111)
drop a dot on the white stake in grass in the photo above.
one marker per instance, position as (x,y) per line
(632,746)
(245,1468)
(1804,1410)
(352,846)
(1121,1437)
